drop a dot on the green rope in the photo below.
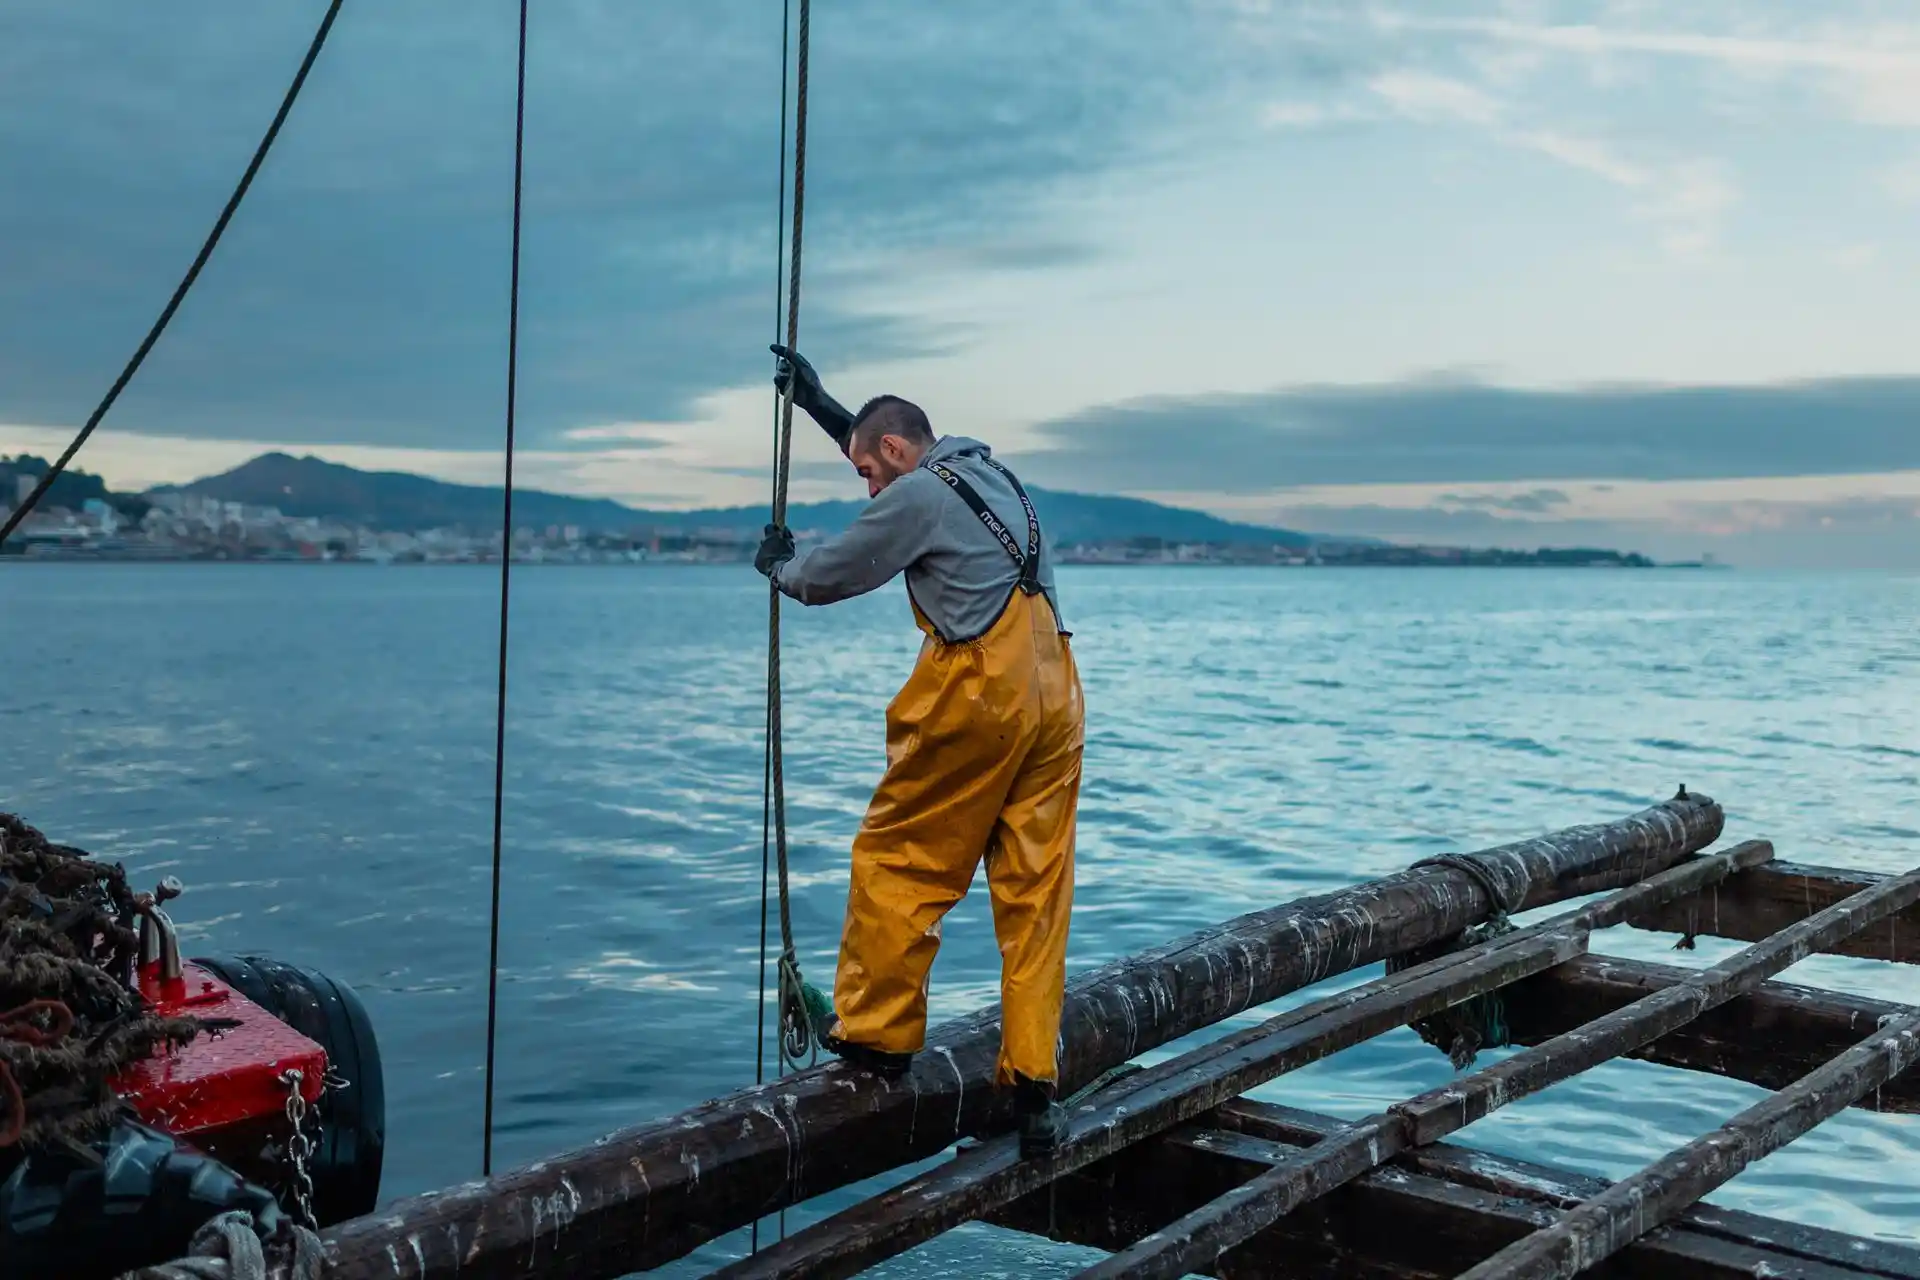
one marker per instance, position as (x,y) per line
(1461,1031)
(806,1015)
(802,1023)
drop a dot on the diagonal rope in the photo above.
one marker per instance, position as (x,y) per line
(186,282)
(796,1032)
(506,579)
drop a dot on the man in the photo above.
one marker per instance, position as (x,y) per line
(983,742)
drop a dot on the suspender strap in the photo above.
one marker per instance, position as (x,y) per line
(1028,560)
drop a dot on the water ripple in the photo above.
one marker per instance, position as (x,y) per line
(312,753)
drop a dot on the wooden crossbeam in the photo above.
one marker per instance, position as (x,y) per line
(1615,1218)
(991,1175)
(1207,1232)
(1693,1237)
(1440,1112)
(1769,1037)
(1444,1207)
(1440,1225)
(1767,899)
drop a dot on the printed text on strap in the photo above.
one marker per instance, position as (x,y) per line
(1027,560)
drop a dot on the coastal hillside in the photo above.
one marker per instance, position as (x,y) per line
(310,487)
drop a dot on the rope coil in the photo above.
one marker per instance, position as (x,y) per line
(228,1247)
(71,1022)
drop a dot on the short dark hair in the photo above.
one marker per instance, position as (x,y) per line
(889,416)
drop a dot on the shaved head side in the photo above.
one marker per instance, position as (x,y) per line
(888,416)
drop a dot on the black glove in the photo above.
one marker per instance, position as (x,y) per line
(776,548)
(808,394)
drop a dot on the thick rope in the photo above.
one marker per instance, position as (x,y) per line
(186,282)
(797,1033)
(71,1023)
(506,581)
(228,1247)
(1464,1029)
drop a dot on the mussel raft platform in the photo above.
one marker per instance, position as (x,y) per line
(1173,1173)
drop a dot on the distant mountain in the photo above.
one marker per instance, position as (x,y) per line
(400,501)
(310,487)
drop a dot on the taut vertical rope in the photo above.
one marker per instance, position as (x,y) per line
(766,767)
(506,578)
(796,1027)
(766,780)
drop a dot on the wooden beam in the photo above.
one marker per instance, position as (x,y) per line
(980,1180)
(1769,1037)
(1768,899)
(1624,1212)
(1206,1233)
(646,1195)
(1449,1207)
(1137,1107)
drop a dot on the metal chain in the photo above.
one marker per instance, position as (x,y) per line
(299,1149)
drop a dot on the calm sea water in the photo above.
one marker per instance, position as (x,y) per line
(310,749)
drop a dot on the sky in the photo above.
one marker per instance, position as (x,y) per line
(1522,274)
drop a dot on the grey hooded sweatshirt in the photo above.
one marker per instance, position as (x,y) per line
(957,570)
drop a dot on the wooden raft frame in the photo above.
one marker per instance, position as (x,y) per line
(1690,1018)
(1173,1172)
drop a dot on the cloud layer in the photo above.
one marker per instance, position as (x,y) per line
(1095,234)
(361,294)
(1448,431)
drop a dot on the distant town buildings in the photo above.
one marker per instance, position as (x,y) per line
(184,526)
(80,519)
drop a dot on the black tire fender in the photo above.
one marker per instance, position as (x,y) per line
(348,1155)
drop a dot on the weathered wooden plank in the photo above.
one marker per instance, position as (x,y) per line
(1207,1232)
(1610,1221)
(1401,1222)
(1768,899)
(1563,1189)
(651,1193)
(1137,1107)
(1769,1037)
(1440,1112)
(982,1179)
(1673,1251)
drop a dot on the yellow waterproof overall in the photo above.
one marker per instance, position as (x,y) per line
(983,759)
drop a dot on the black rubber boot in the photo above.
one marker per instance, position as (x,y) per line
(1043,1121)
(890,1066)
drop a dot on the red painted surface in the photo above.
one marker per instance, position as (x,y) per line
(220,1080)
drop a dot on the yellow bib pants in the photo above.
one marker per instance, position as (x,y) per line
(983,759)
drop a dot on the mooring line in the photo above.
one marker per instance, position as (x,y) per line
(766,767)
(506,581)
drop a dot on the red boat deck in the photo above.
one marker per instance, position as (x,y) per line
(225,1079)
